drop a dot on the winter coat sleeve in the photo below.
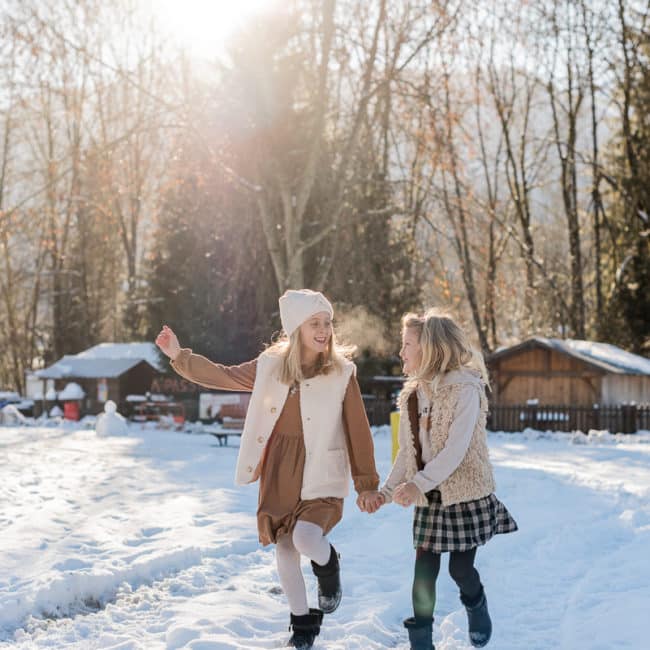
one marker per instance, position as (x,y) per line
(461,430)
(361,449)
(199,370)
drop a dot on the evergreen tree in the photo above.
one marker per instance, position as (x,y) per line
(627,320)
(209,275)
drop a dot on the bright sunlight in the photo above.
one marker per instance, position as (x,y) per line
(203,26)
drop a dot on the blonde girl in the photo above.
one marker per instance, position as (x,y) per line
(443,468)
(305,432)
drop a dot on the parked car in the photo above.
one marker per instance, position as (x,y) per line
(22,404)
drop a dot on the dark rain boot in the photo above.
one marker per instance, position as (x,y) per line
(478,618)
(329,582)
(420,634)
(305,629)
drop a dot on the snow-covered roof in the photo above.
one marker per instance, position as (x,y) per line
(140,351)
(74,367)
(604,355)
(103,361)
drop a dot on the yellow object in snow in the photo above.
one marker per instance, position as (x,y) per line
(394,427)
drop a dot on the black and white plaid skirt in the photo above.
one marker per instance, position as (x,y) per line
(461,526)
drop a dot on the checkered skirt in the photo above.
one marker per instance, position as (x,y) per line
(461,526)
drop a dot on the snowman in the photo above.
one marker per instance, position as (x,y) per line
(110,422)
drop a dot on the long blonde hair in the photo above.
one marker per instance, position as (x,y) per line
(288,348)
(445,347)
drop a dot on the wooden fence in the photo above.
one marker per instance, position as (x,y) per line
(623,418)
(378,410)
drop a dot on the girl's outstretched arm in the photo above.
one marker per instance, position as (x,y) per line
(199,370)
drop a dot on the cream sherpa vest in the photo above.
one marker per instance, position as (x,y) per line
(327,466)
(473,478)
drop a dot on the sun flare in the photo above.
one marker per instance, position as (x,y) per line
(203,26)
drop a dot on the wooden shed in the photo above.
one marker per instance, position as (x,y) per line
(106,371)
(565,371)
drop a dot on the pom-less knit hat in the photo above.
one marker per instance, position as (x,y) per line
(296,306)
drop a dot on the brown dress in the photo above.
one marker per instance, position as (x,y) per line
(283,460)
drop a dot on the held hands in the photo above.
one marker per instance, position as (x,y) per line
(168,342)
(370,501)
(405,494)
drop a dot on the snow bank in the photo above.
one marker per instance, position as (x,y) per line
(592,437)
(77,587)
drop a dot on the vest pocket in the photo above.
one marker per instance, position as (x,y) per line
(336,464)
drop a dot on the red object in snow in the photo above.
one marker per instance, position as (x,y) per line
(71,410)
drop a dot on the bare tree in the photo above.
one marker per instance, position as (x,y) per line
(130,114)
(336,91)
(498,236)
(21,246)
(514,89)
(93,105)
(593,27)
(566,95)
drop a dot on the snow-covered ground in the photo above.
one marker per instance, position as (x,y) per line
(142,541)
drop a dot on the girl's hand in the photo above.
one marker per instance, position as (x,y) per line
(168,342)
(370,501)
(406,494)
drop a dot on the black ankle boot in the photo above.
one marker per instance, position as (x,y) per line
(329,582)
(478,618)
(420,634)
(305,629)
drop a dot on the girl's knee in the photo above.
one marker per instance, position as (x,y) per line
(306,535)
(284,546)
(460,569)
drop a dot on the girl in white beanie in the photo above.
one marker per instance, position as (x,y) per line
(305,432)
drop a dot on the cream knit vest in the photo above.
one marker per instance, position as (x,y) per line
(473,478)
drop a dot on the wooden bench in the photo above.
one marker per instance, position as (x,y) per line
(229,427)
(222,437)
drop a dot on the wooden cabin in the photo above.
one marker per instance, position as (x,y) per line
(106,371)
(124,373)
(571,372)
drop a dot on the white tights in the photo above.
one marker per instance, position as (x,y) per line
(307,540)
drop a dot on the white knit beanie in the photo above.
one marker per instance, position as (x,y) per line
(296,306)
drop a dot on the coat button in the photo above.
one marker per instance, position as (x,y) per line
(273,409)
(307,385)
(308,419)
(249,469)
(260,439)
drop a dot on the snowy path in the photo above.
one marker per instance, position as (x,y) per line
(143,542)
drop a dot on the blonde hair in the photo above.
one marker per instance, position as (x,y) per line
(289,349)
(445,347)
